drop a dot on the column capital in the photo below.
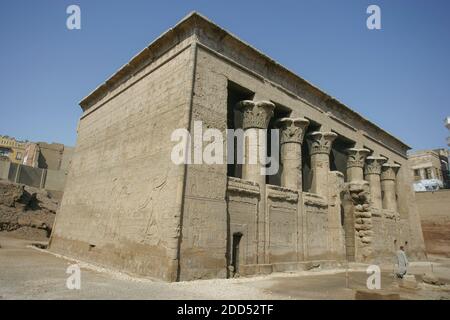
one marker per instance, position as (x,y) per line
(389,171)
(321,142)
(292,129)
(356,157)
(373,164)
(256,114)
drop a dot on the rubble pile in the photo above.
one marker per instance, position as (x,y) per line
(26,212)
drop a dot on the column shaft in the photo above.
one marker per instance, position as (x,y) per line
(355,164)
(320,160)
(292,131)
(256,117)
(388,175)
(372,172)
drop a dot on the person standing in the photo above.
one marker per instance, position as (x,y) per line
(402,262)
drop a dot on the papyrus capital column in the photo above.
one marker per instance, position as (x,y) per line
(320,160)
(256,114)
(355,163)
(292,132)
(372,172)
(388,176)
(256,117)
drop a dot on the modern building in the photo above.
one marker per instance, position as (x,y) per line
(53,156)
(430,169)
(343,191)
(37,164)
(12,149)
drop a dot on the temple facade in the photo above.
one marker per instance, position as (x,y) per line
(343,192)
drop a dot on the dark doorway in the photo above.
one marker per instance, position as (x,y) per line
(235,252)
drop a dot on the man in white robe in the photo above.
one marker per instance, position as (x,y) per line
(402,262)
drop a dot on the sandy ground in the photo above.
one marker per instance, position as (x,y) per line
(30,273)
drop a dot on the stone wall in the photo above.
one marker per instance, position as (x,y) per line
(122,201)
(434,210)
(52,180)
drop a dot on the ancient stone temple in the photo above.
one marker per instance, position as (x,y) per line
(343,191)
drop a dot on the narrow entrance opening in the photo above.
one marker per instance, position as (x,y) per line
(235,252)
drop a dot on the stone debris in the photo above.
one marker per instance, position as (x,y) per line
(375,295)
(430,278)
(26,212)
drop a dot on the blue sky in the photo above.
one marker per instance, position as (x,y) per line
(397,77)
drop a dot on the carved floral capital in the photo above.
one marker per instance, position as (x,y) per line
(321,141)
(256,114)
(389,171)
(356,157)
(373,165)
(292,129)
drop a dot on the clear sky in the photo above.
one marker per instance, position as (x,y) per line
(398,77)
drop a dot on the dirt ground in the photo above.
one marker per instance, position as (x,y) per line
(27,272)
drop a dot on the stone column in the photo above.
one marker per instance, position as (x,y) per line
(320,160)
(256,117)
(388,175)
(355,164)
(372,173)
(292,132)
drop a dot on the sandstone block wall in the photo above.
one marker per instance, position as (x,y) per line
(121,205)
(434,209)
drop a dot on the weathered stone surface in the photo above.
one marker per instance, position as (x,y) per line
(431,278)
(145,214)
(375,295)
(408,282)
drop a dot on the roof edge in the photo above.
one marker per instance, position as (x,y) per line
(144,54)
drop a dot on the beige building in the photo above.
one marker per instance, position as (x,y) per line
(344,191)
(430,164)
(12,149)
(52,156)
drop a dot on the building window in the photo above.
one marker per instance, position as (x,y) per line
(19,156)
(4,152)
(416,174)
